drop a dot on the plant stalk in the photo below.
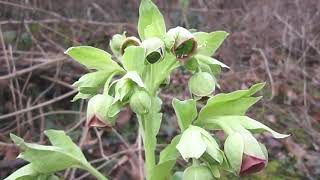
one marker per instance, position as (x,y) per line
(149,145)
(93,171)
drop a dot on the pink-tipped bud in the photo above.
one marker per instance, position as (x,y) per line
(251,164)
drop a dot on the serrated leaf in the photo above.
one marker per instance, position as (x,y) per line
(208,43)
(151,22)
(235,103)
(186,112)
(93,58)
(134,59)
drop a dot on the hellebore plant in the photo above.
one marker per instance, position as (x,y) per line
(133,77)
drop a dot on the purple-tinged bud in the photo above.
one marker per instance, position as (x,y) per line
(251,164)
(99,111)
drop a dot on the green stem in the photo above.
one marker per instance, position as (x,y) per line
(95,172)
(149,145)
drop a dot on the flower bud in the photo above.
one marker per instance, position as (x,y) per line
(251,164)
(197,172)
(244,153)
(181,42)
(202,84)
(154,49)
(140,102)
(116,42)
(130,41)
(98,110)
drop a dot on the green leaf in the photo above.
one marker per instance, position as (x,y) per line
(81,96)
(134,59)
(213,149)
(151,22)
(235,103)
(255,126)
(234,148)
(93,58)
(177,176)
(124,86)
(24,173)
(210,61)
(90,83)
(168,157)
(170,152)
(198,172)
(208,43)
(214,170)
(158,72)
(186,112)
(49,159)
(245,121)
(191,144)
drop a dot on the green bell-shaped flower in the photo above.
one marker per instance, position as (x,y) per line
(100,112)
(181,43)
(154,49)
(130,41)
(140,102)
(197,172)
(195,136)
(202,84)
(116,43)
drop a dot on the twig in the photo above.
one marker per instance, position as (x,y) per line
(266,64)
(39,105)
(32,68)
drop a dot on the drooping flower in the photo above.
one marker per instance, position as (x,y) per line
(130,41)
(155,49)
(181,43)
(116,43)
(100,111)
(245,154)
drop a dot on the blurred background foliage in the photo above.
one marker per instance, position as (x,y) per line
(270,40)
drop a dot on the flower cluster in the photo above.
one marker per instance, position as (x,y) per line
(133,77)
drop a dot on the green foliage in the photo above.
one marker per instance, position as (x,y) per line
(93,58)
(235,103)
(209,42)
(197,172)
(133,77)
(151,22)
(186,112)
(45,160)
